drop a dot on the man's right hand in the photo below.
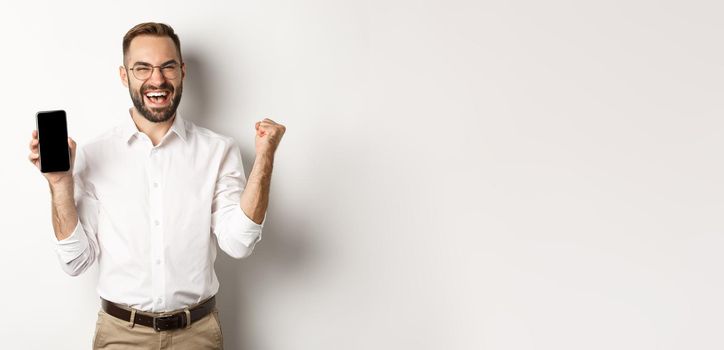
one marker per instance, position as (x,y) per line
(58,178)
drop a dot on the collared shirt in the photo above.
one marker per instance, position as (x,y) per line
(151,216)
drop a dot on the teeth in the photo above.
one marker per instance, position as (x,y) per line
(156,94)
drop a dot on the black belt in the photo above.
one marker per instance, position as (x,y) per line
(160,323)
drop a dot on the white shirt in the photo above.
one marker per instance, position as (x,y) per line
(152,216)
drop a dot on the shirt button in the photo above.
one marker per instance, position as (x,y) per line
(159,300)
(156,222)
(155,184)
(158,261)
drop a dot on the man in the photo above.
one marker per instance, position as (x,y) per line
(150,199)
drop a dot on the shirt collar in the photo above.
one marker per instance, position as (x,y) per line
(129,128)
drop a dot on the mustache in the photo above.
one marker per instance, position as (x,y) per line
(164,86)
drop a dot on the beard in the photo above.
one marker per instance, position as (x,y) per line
(156,115)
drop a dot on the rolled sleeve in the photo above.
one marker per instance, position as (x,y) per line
(71,247)
(236,233)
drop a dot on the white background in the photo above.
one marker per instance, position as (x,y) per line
(455,175)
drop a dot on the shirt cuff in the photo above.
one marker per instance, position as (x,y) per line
(72,246)
(249,222)
(250,230)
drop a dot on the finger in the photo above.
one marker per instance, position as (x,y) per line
(271,128)
(263,130)
(72,146)
(35,134)
(268,124)
(33,156)
(33,143)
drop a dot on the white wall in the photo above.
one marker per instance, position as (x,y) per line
(455,175)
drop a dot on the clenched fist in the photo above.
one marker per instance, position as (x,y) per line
(268,135)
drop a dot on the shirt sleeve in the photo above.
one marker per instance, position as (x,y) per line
(236,233)
(78,251)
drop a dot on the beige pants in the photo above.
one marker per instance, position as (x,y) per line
(115,334)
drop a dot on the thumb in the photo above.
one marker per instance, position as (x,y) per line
(72,146)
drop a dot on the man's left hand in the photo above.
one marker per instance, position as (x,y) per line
(268,135)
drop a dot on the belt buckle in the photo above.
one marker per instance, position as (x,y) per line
(164,322)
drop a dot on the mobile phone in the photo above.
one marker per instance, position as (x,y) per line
(53,141)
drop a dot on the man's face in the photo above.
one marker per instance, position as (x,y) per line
(157,97)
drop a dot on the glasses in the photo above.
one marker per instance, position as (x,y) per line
(143,72)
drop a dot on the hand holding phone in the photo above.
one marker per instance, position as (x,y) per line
(51,150)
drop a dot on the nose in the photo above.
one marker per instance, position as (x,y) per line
(156,77)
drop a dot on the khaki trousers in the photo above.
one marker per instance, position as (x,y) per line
(115,334)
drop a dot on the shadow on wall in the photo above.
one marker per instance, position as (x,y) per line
(195,100)
(282,252)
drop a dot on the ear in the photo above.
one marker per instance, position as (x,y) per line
(183,71)
(124,75)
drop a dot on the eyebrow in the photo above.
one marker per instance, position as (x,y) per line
(162,64)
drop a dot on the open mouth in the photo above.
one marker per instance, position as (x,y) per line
(157,98)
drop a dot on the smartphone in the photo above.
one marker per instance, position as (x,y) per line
(53,141)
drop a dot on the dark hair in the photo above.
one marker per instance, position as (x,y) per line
(151,28)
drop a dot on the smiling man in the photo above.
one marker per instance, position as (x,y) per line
(149,201)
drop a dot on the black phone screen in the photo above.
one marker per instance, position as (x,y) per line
(53,141)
